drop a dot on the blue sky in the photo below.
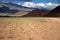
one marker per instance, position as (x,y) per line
(35,1)
(46,1)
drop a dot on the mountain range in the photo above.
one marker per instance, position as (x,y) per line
(10,9)
(54,13)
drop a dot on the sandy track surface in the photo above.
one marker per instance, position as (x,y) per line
(29,28)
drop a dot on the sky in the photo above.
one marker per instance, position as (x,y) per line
(50,4)
(46,1)
(35,1)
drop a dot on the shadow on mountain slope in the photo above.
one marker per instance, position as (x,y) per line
(5,9)
(54,13)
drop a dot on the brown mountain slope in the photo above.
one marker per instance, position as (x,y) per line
(35,13)
(54,13)
(20,13)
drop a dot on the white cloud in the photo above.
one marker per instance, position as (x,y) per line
(19,3)
(45,5)
(40,4)
(50,4)
(29,4)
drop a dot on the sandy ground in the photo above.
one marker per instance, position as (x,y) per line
(29,28)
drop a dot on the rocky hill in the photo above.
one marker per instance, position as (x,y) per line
(35,13)
(54,13)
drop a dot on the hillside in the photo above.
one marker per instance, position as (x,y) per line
(36,13)
(7,9)
(54,13)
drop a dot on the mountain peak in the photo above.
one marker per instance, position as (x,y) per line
(55,12)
